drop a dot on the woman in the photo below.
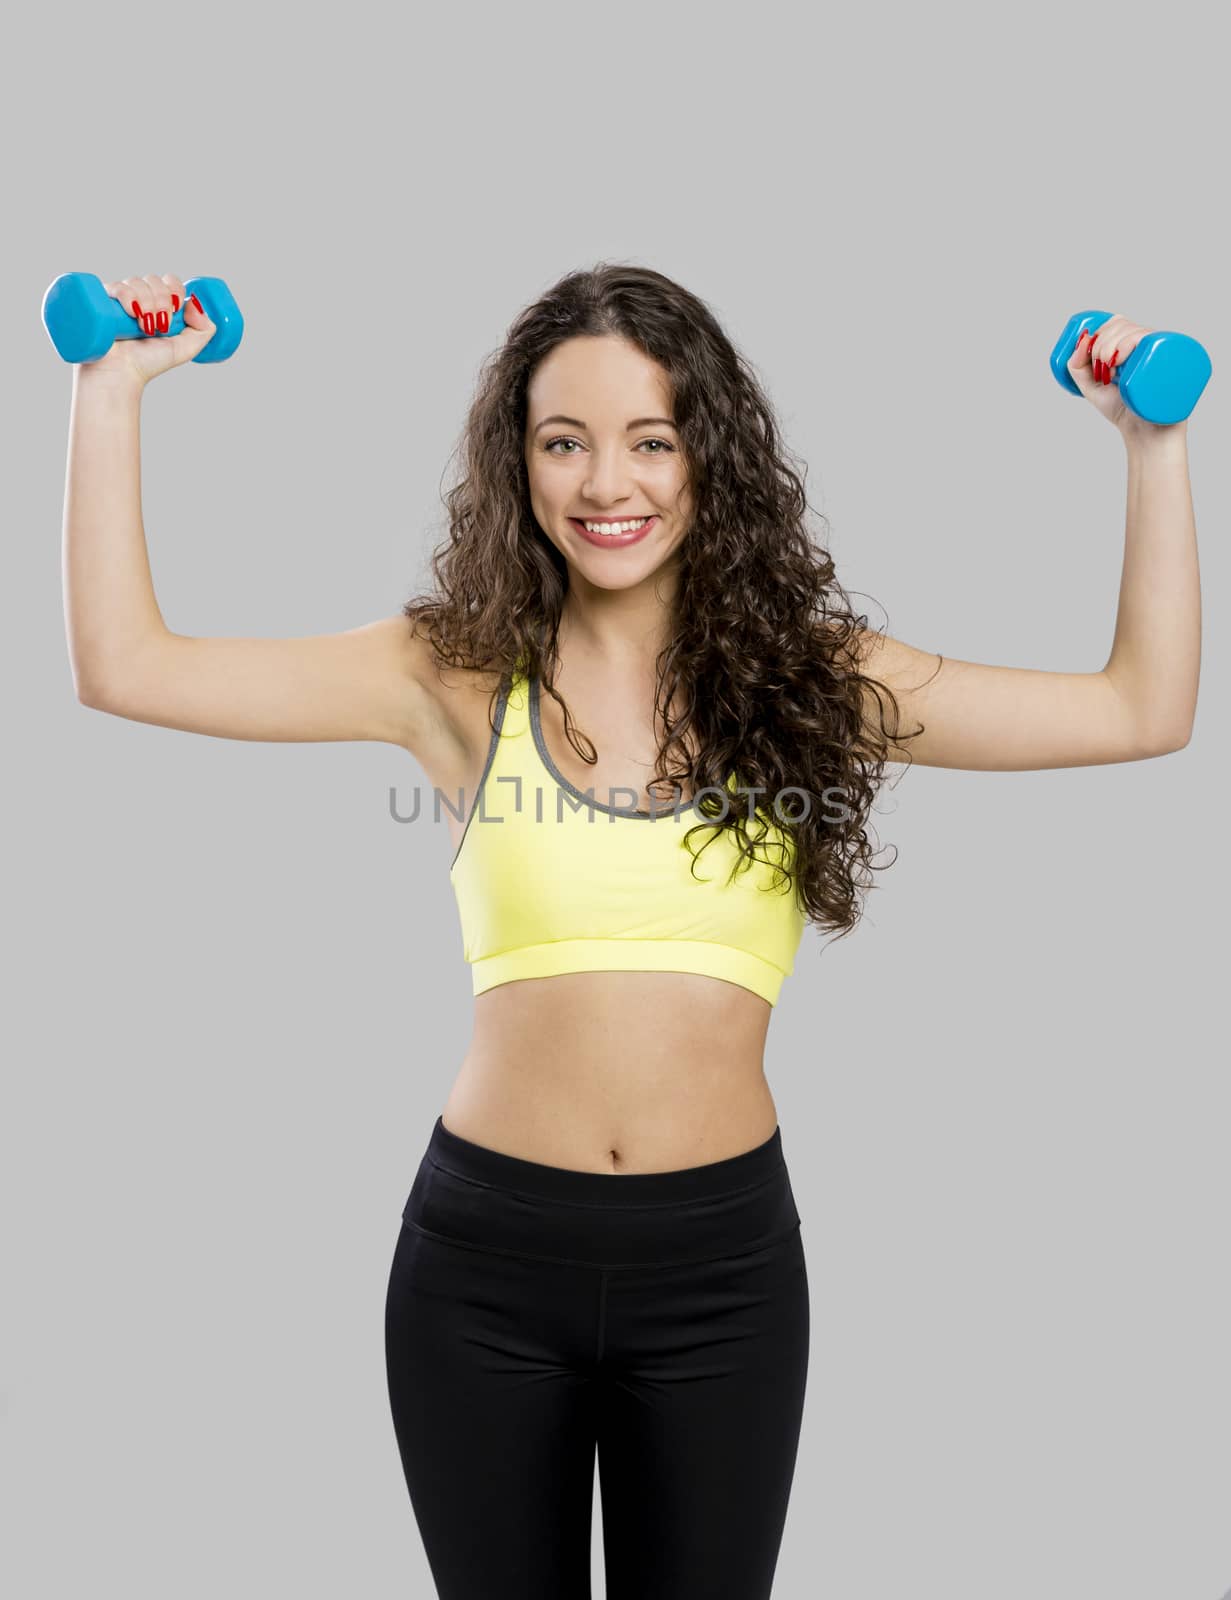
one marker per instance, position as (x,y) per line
(601,1252)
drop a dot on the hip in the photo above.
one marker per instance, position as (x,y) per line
(469,1195)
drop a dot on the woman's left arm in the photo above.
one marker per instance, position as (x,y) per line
(1142,703)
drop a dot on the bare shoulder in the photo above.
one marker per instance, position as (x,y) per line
(882,661)
(879,654)
(455,702)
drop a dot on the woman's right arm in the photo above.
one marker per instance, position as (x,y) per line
(373,682)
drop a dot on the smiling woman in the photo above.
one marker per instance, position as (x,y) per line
(600,1256)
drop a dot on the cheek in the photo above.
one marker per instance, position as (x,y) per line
(545,486)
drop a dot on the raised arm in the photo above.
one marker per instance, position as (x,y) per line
(373,682)
(1142,702)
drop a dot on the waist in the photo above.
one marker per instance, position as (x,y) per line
(616,1071)
(484,1199)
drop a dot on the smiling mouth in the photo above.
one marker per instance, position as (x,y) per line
(626,525)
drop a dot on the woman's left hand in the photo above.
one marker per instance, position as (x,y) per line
(1093,363)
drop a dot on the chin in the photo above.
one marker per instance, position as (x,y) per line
(600,576)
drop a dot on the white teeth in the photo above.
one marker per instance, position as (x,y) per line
(615,527)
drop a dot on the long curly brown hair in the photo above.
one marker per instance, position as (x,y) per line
(764,659)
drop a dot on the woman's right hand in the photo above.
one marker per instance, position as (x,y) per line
(151,301)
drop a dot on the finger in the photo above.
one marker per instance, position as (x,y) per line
(178,293)
(1117,338)
(1111,336)
(1083,372)
(127,291)
(1079,361)
(1100,351)
(1115,356)
(155,304)
(1096,335)
(1127,342)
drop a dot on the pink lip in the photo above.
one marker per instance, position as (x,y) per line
(617,541)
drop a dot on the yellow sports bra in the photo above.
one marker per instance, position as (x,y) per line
(549,880)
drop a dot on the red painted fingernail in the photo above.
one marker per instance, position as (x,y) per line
(163,322)
(147,321)
(136,308)
(175,304)
(195,302)
(1115,356)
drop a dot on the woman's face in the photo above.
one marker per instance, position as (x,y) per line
(601,446)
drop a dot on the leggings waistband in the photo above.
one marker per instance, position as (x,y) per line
(470,1195)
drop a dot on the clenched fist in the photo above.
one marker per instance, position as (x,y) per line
(152,301)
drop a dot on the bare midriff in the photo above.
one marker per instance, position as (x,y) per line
(616,1072)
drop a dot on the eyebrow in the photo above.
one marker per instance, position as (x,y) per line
(575,422)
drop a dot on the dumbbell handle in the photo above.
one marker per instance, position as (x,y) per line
(83,321)
(1161,380)
(122,326)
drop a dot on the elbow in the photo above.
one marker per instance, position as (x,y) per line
(1169,742)
(91,694)
(88,673)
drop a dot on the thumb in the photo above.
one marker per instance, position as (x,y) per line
(197,331)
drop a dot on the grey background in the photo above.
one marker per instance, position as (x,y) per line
(235,996)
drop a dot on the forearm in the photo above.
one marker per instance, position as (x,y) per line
(109,602)
(1156,651)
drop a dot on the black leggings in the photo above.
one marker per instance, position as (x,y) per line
(536,1315)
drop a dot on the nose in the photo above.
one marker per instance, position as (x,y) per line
(607,481)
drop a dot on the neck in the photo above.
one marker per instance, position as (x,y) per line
(623,629)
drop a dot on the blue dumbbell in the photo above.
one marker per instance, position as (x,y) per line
(1161,381)
(84,321)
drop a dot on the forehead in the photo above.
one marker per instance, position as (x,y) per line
(603,376)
